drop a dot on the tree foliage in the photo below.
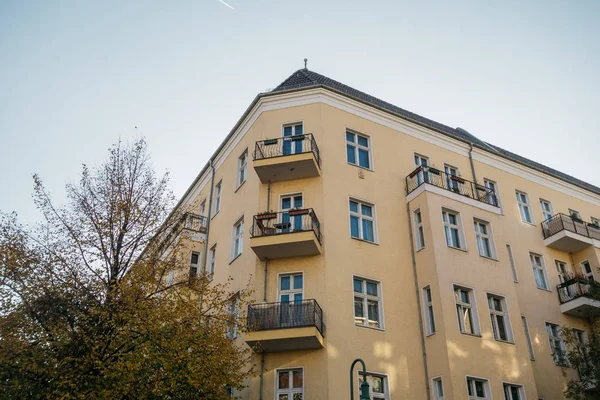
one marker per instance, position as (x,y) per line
(86,309)
(584,357)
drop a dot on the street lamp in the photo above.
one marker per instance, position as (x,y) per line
(364,387)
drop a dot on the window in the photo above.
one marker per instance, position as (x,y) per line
(420,235)
(203,207)
(557,346)
(212,261)
(563,270)
(575,214)
(586,268)
(500,319)
(291,288)
(358,150)
(170,278)
(477,388)
(466,312)
(539,271)
(238,238)
(513,392)
(429,316)
(524,208)
(512,263)
(194,264)
(595,222)
(233,311)
(438,389)
(485,240)
(293,139)
(362,220)
(378,386)
(289,222)
(528,337)
(451,184)
(367,303)
(242,169)
(494,194)
(217,197)
(547,212)
(290,384)
(452,229)
(422,161)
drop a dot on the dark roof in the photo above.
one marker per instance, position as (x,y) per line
(305,79)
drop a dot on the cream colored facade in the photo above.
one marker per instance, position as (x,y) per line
(400,350)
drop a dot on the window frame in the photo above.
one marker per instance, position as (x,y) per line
(291,274)
(541,267)
(489,236)
(290,391)
(589,275)
(428,310)
(505,313)
(595,222)
(212,261)
(528,337)
(486,183)
(520,388)
(217,197)
(419,229)
(434,388)
(386,384)
(360,217)
(459,227)
(242,169)
(552,340)
(363,295)
(475,322)
(575,213)
(234,238)
(357,146)
(521,205)
(486,387)
(233,309)
(202,208)
(546,214)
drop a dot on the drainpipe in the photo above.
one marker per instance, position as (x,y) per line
(419,312)
(210,199)
(262,370)
(471,161)
(262,357)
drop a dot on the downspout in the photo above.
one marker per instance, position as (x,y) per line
(204,256)
(471,161)
(262,357)
(419,312)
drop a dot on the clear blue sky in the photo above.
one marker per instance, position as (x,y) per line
(77,75)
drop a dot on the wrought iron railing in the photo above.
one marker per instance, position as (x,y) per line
(578,287)
(433,176)
(562,222)
(286,146)
(266,316)
(188,221)
(291,221)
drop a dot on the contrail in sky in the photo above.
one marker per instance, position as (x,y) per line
(227,5)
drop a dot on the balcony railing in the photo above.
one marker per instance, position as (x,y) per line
(287,146)
(189,221)
(292,221)
(561,222)
(268,316)
(433,176)
(578,287)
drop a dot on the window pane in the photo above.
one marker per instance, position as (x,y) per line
(297,377)
(298,130)
(371,289)
(363,158)
(284,380)
(194,259)
(283,397)
(286,203)
(350,137)
(358,308)
(297,281)
(373,309)
(297,297)
(501,327)
(354,226)
(350,154)
(377,384)
(366,210)
(363,141)
(354,206)
(368,230)
(297,396)
(285,298)
(479,389)
(455,238)
(285,283)
(358,286)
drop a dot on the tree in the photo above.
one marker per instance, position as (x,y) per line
(584,356)
(88,308)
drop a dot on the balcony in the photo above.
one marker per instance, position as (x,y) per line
(287,158)
(293,233)
(190,226)
(278,327)
(452,186)
(579,297)
(566,233)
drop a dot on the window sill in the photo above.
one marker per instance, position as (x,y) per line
(430,334)
(369,327)
(471,334)
(422,248)
(235,258)
(545,290)
(214,215)
(363,240)
(239,186)
(358,166)
(505,341)
(489,258)
(457,248)
(529,223)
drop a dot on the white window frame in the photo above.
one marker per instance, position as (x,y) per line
(212,261)
(508,395)
(203,208)
(217,197)
(428,310)
(365,299)
(420,157)
(524,205)
(486,387)
(595,222)
(449,226)
(419,230)
(513,265)
(289,391)
(233,310)
(357,146)
(197,265)
(386,385)
(547,209)
(436,389)
(528,337)
(486,183)
(360,217)
(541,267)
(237,238)
(480,237)
(290,291)
(575,213)
(504,313)
(555,339)
(472,305)
(242,168)
(589,275)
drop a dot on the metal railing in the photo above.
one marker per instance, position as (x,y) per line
(578,287)
(266,316)
(452,183)
(286,146)
(292,221)
(190,221)
(562,222)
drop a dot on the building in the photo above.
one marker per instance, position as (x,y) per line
(446,263)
